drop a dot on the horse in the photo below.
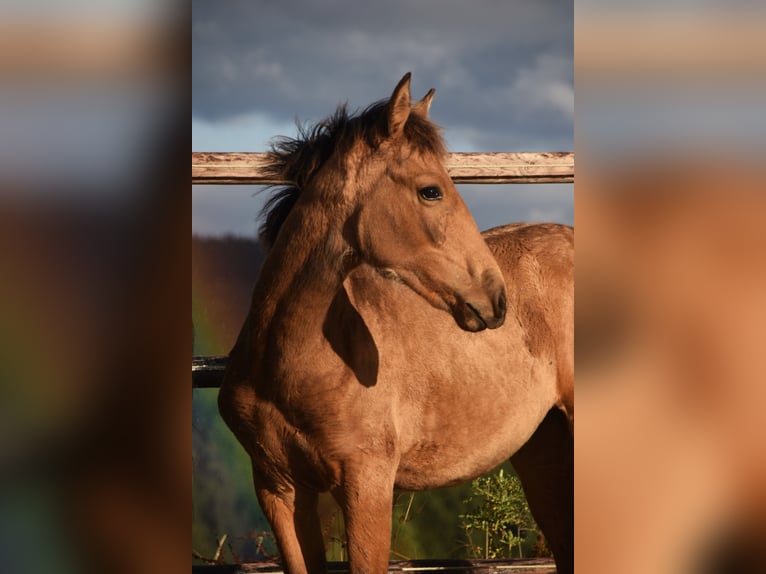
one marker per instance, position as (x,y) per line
(389,344)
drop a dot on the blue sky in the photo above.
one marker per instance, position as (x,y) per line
(502,72)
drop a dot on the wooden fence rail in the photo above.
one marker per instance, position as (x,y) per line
(207,372)
(447,566)
(516,167)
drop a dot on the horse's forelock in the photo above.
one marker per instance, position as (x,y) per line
(297,160)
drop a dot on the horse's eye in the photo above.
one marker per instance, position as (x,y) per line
(430,193)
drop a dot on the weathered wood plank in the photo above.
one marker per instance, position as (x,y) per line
(498,167)
(513,566)
(508,167)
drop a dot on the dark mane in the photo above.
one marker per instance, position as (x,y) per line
(298,160)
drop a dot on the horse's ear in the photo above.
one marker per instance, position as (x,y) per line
(421,108)
(399,107)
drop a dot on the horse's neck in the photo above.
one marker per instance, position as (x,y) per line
(301,274)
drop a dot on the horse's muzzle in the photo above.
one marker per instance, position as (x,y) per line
(482,311)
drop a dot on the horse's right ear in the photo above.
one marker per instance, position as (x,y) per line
(399,107)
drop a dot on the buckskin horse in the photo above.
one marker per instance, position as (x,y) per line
(390,344)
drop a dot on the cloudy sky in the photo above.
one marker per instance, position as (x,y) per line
(502,72)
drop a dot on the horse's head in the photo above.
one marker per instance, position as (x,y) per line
(412,225)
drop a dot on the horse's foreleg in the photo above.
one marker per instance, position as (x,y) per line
(545,465)
(295,522)
(366,499)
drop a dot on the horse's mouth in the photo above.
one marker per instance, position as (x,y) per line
(481,323)
(470,318)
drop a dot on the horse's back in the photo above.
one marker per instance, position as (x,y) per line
(551,243)
(537,261)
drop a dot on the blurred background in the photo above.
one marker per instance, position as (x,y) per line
(94,212)
(670,287)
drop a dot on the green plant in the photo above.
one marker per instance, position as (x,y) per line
(500,517)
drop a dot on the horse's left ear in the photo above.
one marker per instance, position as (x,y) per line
(399,107)
(421,108)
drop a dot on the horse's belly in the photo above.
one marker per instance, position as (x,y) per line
(431,469)
(462,452)
(482,419)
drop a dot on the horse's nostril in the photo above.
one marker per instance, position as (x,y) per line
(501,305)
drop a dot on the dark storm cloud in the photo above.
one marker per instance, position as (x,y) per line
(503,70)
